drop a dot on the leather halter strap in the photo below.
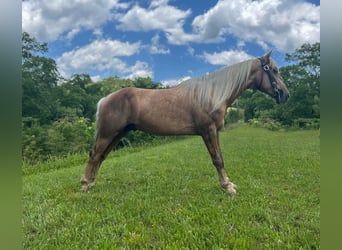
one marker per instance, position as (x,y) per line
(267,68)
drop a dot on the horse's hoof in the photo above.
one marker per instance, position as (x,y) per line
(84,188)
(231,184)
(230,188)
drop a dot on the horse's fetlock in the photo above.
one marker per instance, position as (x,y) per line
(224,185)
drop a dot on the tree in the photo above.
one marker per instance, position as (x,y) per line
(303,80)
(308,58)
(30,45)
(254,102)
(40,76)
(146,83)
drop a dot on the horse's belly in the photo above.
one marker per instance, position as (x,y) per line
(161,126)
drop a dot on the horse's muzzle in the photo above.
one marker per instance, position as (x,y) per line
(280,96)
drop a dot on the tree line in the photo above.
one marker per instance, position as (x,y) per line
(58,114)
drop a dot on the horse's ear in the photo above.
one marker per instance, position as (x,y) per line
(266,58)
(268,55)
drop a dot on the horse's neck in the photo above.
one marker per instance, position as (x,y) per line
(237,91)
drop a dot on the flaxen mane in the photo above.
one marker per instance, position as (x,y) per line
(211,90)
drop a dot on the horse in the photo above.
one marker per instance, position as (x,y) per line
(196,106)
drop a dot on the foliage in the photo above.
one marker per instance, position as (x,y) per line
(70,135)
(33,141)
(39,78)
(156,197)
(234,115)
(30,46)
(313,123)
(66,136)
(265,123)
(254,103)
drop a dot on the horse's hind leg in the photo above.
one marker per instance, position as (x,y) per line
(211,140)
(97,155)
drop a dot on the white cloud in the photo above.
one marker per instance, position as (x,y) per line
(174,82)
(157,48)
(226,57)
(177,36)
(285,25)
(100,55)
(158,16)
(140,69)
(96,78)
(49,20)
(191,51)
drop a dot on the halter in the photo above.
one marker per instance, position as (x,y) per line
(266,67)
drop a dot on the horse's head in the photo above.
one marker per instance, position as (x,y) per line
(268,79)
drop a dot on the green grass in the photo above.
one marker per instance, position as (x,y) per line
(168,197)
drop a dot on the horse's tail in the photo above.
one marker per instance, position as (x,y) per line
(97,115)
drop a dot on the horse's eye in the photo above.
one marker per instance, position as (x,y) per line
(275,70)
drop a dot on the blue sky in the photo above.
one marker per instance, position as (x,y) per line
(167,40)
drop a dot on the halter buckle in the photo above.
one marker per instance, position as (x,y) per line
(266,67)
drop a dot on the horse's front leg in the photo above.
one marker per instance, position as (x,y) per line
(90,171)
(97,155)
(211,140)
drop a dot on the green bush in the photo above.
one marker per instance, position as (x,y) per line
(234,115)
(265,123)
(34,143)
(65,136)
(70,135)
(272,124)
(138,138)
(307,123)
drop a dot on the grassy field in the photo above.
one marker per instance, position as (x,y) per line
(168,197)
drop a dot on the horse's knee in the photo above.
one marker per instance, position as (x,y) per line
(95,156)
(218,162)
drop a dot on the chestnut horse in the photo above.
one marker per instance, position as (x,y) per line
(195,107)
